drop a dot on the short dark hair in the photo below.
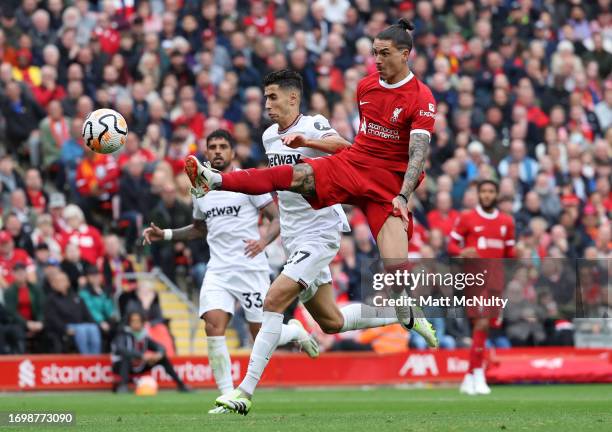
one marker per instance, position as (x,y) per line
(285,79)
(220,134)
(399,34)
(483,182)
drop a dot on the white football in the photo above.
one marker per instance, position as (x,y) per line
(104,131)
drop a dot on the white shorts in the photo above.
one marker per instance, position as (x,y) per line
(308,262)
(220,290)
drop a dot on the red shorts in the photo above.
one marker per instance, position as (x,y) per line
(344,179)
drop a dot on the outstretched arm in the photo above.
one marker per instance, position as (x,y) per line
(190,232)
(329,144)
(418,151)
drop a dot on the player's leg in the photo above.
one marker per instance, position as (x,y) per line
(216,308)
(392,240)
(252,304)
(323,308)
(216,322)
(474,381)
(281,294)
(253,181)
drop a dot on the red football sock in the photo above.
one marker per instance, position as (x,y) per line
(258,181)
(479,339)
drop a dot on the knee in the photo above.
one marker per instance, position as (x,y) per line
(274,302)
(331,326)
(214,329)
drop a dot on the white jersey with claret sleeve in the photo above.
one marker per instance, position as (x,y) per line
(297,217)
(231,218)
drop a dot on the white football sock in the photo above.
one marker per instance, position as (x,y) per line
(215,181)
(219,359)
(360,316)
(290,333)
(265,344)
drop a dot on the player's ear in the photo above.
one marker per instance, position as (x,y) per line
(294,98)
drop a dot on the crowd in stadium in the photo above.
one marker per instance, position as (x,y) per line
(524,93)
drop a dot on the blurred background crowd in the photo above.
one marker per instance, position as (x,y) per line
(524,92)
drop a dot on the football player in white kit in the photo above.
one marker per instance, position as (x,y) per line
(238,268)
(310,237)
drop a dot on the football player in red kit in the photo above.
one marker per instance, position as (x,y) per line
(379,172)
(487,233)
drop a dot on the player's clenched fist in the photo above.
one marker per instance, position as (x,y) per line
(153,233)
(294,140)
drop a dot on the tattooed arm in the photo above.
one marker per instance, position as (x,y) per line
(418,150)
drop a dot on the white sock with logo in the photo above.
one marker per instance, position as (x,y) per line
(219,359)
(265,344)
(360,316)
(289,333)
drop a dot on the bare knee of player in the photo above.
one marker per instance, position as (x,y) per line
(331,325)
(277,299)
(303,181)
(214,326)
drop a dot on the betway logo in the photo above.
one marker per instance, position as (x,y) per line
(27,374)
(552,363)
(94,374)
(223,211)
(420,365)
(283,159)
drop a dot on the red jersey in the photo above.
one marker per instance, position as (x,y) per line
(445,223)
(101,172)
(88,239)
(491,234)
(389,113)
(7,263)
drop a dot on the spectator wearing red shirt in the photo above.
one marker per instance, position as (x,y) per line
(444,216)
(132,147)
(191,118)
(108,37)
(24,301)
(97,180)
(87,237)
(48,89)
(10,256)
(57,203)
(261,17)
(37,197)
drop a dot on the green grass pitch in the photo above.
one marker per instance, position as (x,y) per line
(555,408)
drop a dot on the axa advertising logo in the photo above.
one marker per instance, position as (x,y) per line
(27,374)
(420,365)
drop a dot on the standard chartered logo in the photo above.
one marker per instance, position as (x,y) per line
(27,375)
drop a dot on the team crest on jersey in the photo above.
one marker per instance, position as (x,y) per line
(396,114)
(322,126)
